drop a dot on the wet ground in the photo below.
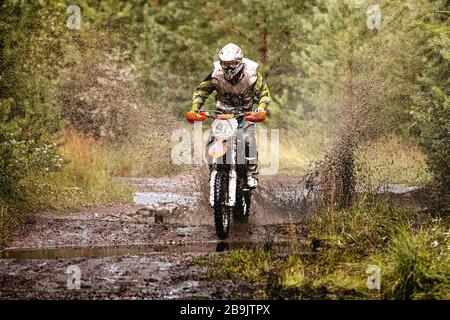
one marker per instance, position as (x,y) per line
(146,250)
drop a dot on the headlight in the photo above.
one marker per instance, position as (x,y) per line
(223,129)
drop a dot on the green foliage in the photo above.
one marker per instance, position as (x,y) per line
(432,101)
(35,47)
(365,228)
(250,265)
(413,258)
(28,111)
(180,40)
(418,264)
(321,63)
(390,160)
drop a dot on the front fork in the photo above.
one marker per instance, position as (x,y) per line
(212,180)
(232,182)
(232,178)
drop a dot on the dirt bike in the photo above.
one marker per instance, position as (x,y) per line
(229,195)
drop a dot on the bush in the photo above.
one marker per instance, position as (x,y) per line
(29,114)
(432,102)
(26,146)
(435,124)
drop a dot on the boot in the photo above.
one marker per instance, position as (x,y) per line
(252,176)
(252,182)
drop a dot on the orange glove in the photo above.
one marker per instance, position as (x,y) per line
(255,117)
(193,116)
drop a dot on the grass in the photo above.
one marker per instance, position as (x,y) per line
(388,160)
(250,265)
(299,152)
(86,179)
(364,228)
(392,160)
(417,263)
(149,157)
(413,258)
(10,219)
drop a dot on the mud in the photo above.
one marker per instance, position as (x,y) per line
(143,276)
(145,250)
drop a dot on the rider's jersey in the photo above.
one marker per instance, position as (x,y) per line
(250,88)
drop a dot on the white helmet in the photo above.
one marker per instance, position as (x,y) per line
(231,57)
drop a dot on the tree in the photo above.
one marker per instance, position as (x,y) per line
(432,102)
(29,114)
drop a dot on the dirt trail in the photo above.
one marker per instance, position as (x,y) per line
(144,250)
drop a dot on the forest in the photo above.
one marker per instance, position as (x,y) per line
(91,91)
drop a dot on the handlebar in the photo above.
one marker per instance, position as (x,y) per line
(221,115)
(217,114)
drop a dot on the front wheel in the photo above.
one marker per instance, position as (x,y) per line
(221,211)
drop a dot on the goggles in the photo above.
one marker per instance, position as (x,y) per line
(229,65)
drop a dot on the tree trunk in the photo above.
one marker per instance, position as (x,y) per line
(1,66)
(262,41)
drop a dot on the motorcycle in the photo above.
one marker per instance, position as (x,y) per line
(229,195)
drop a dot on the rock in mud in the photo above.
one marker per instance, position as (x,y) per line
(185,231)
(159,214)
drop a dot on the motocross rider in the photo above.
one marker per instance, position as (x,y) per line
(238,85)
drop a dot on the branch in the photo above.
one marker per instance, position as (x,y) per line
(239,32)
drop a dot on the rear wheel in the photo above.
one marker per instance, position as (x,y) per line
(221,211)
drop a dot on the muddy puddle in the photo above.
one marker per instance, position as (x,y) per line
(204,247)
(275,201)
